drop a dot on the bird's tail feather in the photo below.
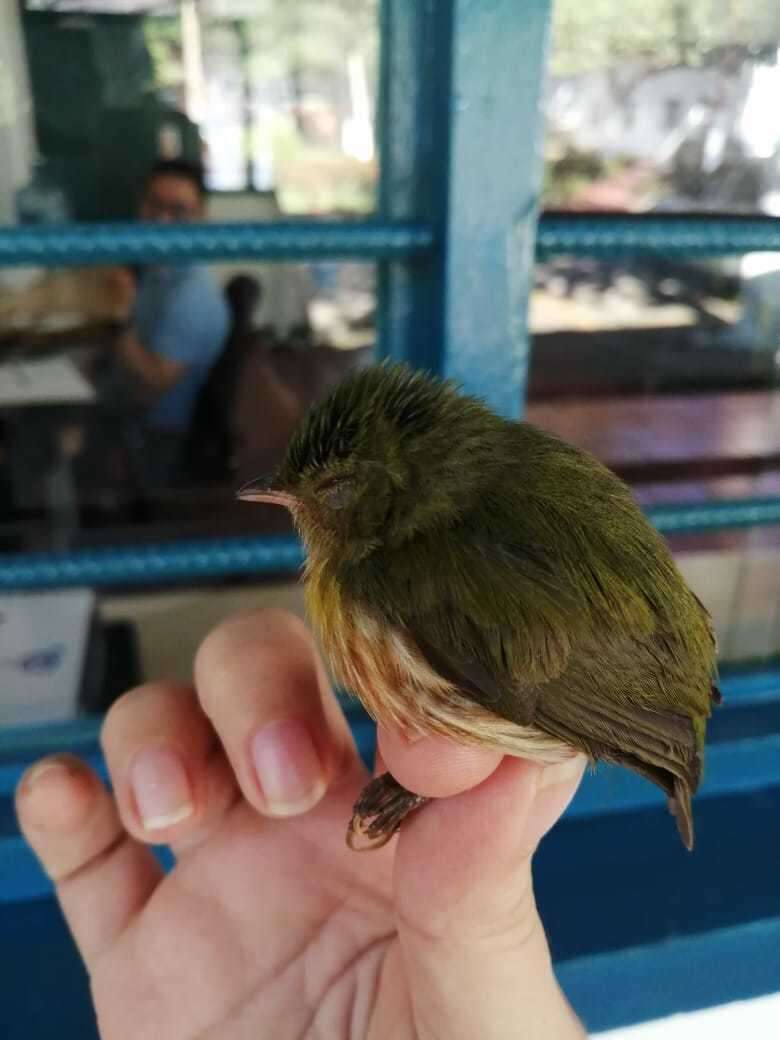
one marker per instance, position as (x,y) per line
(662,746)
(680,808)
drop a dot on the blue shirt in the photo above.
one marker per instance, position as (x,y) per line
(181,315)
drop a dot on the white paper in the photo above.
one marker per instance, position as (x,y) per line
(753,1019)
(54,380)
(43,641)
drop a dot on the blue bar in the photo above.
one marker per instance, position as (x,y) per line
(218,558)
(716,515)
(734,768)
(21,745)
(151,564)
(742,768)
(413,126)
(751,687)
(684,973)
(608,235)
(460,122)
(69,245)
(669,235)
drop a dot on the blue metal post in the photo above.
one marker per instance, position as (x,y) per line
(460,116)
(499,58)
(414,132)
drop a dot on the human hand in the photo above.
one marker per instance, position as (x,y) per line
(268,925)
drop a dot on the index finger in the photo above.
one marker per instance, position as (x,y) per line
(261,683)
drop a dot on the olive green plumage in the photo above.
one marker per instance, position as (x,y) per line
(519,565)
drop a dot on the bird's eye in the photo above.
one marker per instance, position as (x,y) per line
(337,493)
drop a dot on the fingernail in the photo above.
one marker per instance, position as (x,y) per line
(561,772)
(57,795)
(162,792)
(52,765)
(288,767)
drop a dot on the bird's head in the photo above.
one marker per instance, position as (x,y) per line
(389,454)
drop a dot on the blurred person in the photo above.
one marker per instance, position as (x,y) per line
(175,323)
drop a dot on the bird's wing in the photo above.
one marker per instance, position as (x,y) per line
(464,670)
(490,617)
(620,696)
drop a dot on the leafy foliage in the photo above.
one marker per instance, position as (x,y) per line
(663,32)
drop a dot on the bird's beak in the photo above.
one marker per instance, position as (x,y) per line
(263,489)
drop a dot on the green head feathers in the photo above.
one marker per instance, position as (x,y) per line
(390,454)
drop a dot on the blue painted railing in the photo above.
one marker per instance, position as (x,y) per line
(748,765)
(80,244)
(717,515)
(222,557)
(691,235)
(150,564)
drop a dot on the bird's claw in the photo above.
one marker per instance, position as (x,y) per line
(378,813)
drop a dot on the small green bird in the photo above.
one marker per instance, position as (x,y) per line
(482,579)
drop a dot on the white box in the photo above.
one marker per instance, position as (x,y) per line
(43,645)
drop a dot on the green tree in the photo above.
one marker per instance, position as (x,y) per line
(600,33)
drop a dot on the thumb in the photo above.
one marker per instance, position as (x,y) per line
(473,946)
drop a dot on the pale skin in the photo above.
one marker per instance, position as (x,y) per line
(268,925)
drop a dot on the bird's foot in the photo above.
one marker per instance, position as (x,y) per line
(378,813)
